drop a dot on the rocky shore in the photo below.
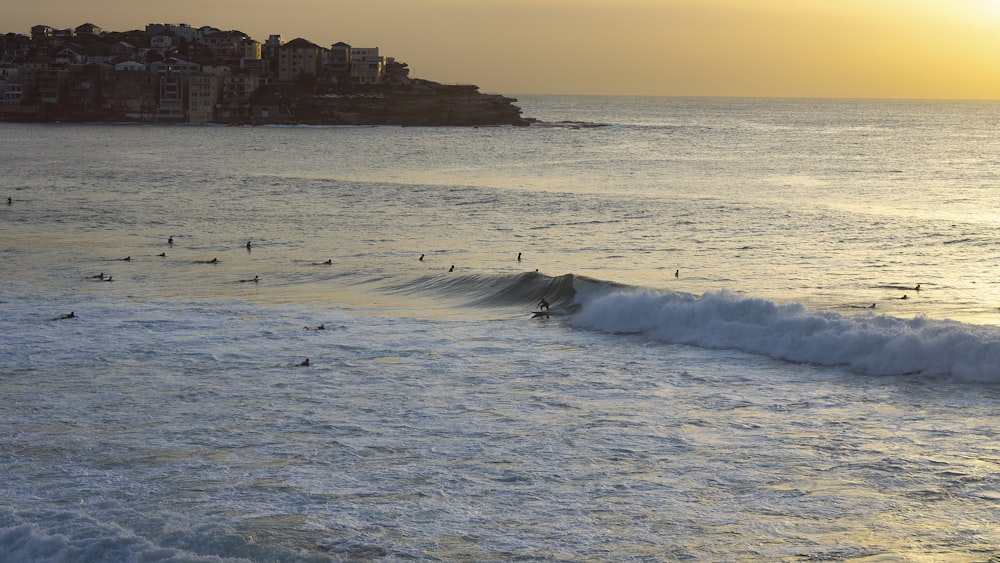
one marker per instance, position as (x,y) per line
(410,103)
(416,103)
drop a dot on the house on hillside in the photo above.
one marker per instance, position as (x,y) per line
(87,29)
(299,58)
(10,87)
(204,94)
(367,67)
(338,64)
(174,67)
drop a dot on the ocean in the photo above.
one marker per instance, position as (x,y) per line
(774,336)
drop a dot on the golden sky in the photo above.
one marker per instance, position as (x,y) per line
(784,48)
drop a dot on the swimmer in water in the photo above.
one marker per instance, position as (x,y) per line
(108,279)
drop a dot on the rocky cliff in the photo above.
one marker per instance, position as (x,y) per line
(416,103)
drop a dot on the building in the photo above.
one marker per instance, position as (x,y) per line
(204,94)
(170,72)
(367,67)
(174,67)
(231,46)
(131,94)
(299,58)
(182,30)
(10,86)
(338,64)
(41,33)
(269,53)
(170,106)
(87,30)
(162,42)
(236,91)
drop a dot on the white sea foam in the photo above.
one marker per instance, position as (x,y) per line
(868,343)
(72,536)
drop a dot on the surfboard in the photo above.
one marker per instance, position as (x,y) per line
(536,314)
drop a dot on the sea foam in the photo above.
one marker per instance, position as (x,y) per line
(867,343)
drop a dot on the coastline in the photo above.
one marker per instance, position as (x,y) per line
(413,103)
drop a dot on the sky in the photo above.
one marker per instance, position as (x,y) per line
(924,49)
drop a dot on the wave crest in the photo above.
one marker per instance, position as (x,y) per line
(868,343)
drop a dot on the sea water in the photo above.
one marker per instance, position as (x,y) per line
(774,336)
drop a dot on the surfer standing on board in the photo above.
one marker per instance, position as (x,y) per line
(543,305)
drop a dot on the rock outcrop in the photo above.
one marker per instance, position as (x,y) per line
(417,103)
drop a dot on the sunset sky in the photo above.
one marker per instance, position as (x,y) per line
(785,48)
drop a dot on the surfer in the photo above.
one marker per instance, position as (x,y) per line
(162,255)
(904,297)
(108,279)
(9,201)
(69,315)
(99,276)
(170,240)
(421,259)
(305,362)
(248,246)
(543,305)
(452,269)
(872,307)
(213,261)
(518,256)
(327,263)
(677,273)
(255,279)
(127,259)
(917,288)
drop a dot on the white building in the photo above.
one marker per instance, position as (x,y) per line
(367,67)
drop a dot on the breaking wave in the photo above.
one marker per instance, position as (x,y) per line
(866,343)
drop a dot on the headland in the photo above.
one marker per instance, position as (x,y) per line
(176,73)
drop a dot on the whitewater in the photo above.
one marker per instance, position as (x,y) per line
(774,335)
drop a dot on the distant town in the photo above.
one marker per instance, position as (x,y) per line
(176,73)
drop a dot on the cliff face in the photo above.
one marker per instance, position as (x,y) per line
(420,103)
